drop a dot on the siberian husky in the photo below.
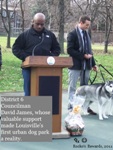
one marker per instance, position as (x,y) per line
(102,93)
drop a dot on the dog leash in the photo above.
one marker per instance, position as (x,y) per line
(100,66)
(92,81)
(105,70)
(101,72)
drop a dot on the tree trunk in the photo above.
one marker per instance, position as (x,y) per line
(106,46)
(22,13)
(9,25)
(61,25)
(108,26)
(107,33)
(9,40)
(48,4)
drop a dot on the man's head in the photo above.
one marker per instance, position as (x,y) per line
(38,21)
(84,22)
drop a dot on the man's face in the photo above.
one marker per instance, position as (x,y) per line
(38,24)
(85,25)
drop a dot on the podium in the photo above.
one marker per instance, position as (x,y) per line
(46,80)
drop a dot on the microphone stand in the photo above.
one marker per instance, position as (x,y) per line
(38,44)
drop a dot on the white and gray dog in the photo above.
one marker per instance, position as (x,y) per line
(102,93)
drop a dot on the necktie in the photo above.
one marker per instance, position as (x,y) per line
(86,52)
(85,40)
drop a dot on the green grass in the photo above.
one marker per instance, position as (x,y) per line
(101,47)
(11,77)
(95,47)
(3,43)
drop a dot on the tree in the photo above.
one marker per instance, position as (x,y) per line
(61,25)
(8,15)
(22,14)
(6,19)
(106,12)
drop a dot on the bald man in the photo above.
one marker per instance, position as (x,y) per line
(36,41)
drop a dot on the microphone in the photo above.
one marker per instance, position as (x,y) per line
(38,44)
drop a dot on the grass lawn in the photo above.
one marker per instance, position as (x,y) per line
(96,47)
(11,77)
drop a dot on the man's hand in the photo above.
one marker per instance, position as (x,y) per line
(87,56)
(95,68)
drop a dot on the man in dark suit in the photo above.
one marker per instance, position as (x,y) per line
(79,48)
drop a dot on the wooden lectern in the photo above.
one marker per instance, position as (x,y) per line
(46,80)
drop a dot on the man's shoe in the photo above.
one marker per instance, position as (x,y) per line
(91,111)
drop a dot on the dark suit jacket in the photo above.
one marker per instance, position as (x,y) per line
(75,53)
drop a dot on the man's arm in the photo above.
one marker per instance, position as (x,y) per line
(55,49)
(94,66)
(73,47)
(19,46)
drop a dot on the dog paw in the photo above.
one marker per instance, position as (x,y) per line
(106,117)
(100,118)
(110,114)
(86,113)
